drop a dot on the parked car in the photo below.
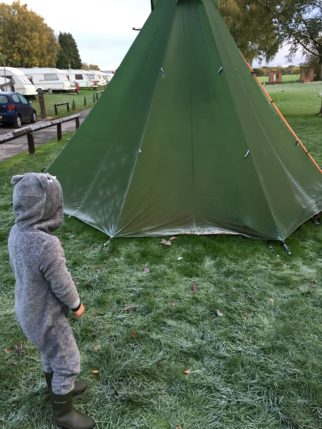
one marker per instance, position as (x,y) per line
(16,109)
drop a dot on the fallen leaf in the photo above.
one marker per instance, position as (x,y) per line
(97,348)
(187,371)
(173,238)
(8,350)
(134,334)
(166,242)
(179,258)
(95,372)
(146,269)
(129,307)
(19,348)
(194,288)
(179,427)
(219,313)
(271,301)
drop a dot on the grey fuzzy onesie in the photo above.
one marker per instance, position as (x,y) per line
(44,290)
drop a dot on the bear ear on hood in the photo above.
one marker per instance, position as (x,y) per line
(44,179)
(16,179)
(30,178)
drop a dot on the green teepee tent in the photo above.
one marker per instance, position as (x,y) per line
(183,141)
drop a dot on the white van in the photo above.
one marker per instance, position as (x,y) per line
(18,81)
(48,79)
(80,77)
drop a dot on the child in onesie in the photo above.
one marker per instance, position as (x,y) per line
(45,291)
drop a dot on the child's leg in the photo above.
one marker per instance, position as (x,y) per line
(62,353)
(45,364)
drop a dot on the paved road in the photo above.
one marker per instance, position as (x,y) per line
(19,145)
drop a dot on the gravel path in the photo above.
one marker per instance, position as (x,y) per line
(19,145)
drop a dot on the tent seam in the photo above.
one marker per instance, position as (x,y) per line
(146,122)
(274,217)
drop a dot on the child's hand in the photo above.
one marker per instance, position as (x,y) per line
(79,313)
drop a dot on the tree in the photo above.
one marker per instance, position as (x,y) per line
(253,30)
(86,66)
(68,55)
(299,23)
(25,39)
(295,22)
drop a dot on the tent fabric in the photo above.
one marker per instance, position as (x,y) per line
(183,141)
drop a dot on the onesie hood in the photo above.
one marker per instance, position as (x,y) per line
(37,201)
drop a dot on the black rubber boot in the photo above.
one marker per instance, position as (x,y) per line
(66,416)
(79,385)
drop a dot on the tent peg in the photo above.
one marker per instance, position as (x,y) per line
(220,70)
(286,248)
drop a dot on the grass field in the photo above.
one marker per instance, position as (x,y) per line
(300,103)
(286,78)
(85,99)
(208,333)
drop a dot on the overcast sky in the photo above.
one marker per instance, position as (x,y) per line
(103,28)
(281,59)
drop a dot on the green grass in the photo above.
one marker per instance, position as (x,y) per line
(300,103)
(286,78)
(240,315)
(85,99)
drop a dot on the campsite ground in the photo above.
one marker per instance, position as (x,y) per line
(208,333)
(20,144)
(301,104)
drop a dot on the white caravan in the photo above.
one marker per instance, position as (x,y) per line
(96,77)
(5,84)
(14,79)
(108,75)
(80,77)
(48,79)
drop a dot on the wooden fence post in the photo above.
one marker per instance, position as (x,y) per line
(29,131)
(59,132)
(31,142)
(42,106)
